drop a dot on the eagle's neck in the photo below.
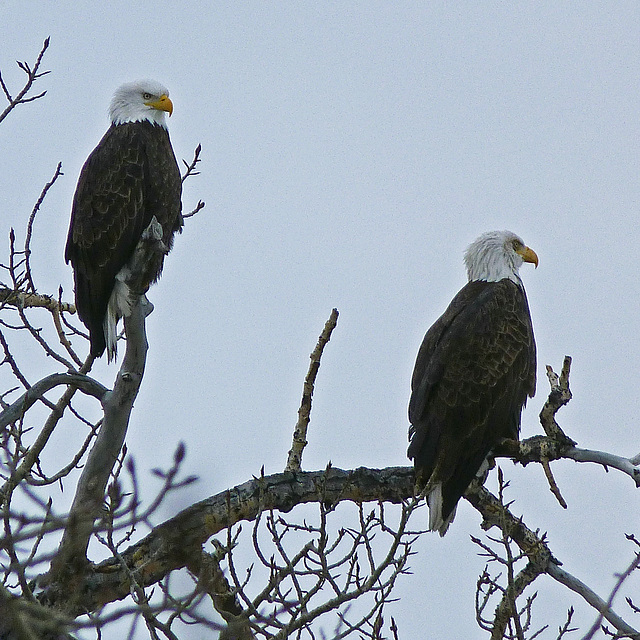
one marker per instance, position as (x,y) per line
(122,112)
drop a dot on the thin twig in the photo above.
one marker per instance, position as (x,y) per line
(191,167)
(553,486)
(191,171)
(32,217)
(32,76)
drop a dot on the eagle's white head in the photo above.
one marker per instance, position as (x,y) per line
(140,100)
(497,255)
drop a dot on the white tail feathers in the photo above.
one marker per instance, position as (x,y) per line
(434,500)
(118,307)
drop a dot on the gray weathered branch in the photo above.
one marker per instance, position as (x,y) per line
(23,300)
(541,560)
(559,396)
(294,460)
(16,410)
(600,605)
(178,542)
(626,465)
(117,405)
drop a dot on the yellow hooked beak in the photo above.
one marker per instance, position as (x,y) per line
(162,104)
(528,255)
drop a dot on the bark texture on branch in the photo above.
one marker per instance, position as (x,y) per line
(178,542)
(294,459)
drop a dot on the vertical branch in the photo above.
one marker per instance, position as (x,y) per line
(117,405)
(559,396)
(294,460)
(32,217)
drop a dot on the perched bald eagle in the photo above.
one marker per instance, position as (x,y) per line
(473,374)
(131,177)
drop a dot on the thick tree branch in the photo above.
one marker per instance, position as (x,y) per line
(117,404)
(211,579)
(178,542)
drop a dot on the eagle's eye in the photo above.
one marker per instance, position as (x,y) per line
(147,96)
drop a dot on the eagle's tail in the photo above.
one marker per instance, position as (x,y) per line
(434,500)
(119,306)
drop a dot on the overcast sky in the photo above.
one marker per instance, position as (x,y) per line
(351,152)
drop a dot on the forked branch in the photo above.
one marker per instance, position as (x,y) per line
(33,74)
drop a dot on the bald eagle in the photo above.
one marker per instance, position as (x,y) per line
(131,177)
(473,374)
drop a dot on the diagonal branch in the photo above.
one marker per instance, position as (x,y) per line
(601,606)
(541,559)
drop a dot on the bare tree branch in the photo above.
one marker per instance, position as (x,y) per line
(32,217)
(86,384)
(117,405)
(600,605)
(33,74)
(191,166)
(294,460)
(191,171)
(625,465)
(24,300)
(178,541)
(560,395)
(539,554)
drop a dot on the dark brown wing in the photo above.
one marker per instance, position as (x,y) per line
(474,371)
(131,176)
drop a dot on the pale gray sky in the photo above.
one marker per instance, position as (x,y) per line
(351,151)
